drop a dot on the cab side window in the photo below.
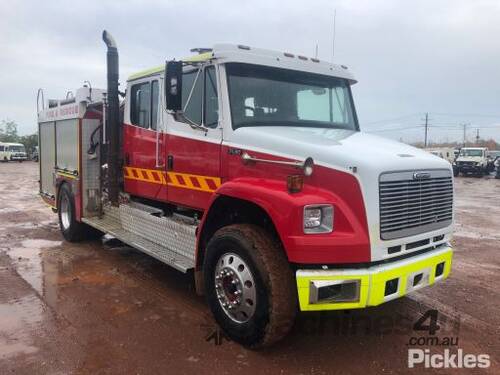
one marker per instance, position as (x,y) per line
(1,148)
(140,111)
(202,107)
(211,107)
(192,108)
(155,94)
(144,105)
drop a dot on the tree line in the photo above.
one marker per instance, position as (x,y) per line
(8,133)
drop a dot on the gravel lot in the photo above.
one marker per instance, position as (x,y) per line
(91,308)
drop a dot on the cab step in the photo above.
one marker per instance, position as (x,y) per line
(169,239)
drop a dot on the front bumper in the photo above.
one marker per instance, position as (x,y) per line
(17,158)
(469,168)
(371,286)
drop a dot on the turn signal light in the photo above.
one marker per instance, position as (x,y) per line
(295,183)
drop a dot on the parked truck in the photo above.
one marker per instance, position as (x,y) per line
(247,167)
(473,160)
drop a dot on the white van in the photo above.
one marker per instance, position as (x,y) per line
(12,152)
(445,153)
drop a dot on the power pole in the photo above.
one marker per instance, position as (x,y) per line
(465,133)
(477,137)
(426,128)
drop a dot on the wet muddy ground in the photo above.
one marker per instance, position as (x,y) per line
(90,308)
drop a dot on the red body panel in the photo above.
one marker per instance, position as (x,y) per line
(193,157)
(139,150)
(262,184)
(265,185)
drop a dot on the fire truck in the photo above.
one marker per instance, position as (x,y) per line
(247,168)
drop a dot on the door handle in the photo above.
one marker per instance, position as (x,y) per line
(170,162)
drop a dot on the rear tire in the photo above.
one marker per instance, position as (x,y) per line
(71,229)
(249,285)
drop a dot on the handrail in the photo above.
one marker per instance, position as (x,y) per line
(306,165)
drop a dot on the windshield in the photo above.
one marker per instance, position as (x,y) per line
(471,152)
(265,96)
(16,148)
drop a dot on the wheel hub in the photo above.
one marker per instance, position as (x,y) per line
(235,287)
(65,212)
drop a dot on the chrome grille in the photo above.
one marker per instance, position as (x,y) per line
(409,205)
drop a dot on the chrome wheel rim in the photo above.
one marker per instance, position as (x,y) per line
(65,212)
(235,288)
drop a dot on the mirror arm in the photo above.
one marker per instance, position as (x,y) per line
(179,115)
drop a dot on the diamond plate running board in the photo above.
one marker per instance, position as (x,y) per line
(168,240)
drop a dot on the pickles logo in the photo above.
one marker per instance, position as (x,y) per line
(448,358)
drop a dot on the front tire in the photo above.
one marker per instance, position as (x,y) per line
(249,285)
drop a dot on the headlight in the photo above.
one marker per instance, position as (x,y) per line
(318,218)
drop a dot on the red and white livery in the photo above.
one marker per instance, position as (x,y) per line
(248,167)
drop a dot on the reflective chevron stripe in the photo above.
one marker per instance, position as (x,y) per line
(180,180)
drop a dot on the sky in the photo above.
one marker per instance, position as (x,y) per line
(440,57)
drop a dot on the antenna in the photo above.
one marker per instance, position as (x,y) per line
(333,41)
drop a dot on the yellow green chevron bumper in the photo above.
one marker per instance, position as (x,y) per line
(341,289)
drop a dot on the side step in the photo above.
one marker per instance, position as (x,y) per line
(170,240)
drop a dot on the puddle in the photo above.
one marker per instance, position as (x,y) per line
(20,318)
(28,260)
(12,349)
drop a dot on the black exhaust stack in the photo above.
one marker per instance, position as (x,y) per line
(113,118)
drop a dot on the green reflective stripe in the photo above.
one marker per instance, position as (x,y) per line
(201,57)
(147,72)
(159,69)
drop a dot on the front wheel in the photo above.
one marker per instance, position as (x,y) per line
(249,285)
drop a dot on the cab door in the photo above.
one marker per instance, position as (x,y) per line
(143,142)
(194,143)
